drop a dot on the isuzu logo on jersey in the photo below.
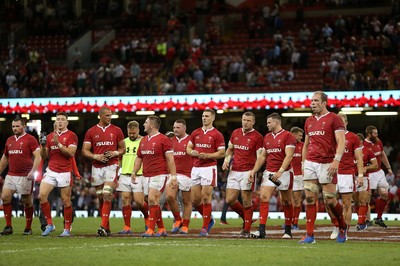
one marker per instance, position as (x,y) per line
(274,150)
(147,152)
(317,133)
(296,154)
(203,145)
(105,143)
(241,147)
(179,153)
(14,152)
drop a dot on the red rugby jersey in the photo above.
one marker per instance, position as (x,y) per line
(208,141)
(102,140)
(19,151)
(58,162)
(245,147)
(321,133)
(275,145)
(152,150)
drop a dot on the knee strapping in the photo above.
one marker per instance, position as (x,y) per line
(311,187)
(328,195)
(107,190)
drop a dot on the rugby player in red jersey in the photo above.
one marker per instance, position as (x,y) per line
(377,177)
(298,186)
(361,196)
(346,181)
(323,149)
(244,146)
(59,149)
(184,164)
(206,145)
(22,155)
(277,155)
(156,155)
(104,143)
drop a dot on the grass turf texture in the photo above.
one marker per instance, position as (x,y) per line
(83,249)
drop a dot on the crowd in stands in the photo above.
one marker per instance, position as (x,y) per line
(358,53)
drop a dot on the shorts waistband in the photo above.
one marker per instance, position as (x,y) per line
(129,174)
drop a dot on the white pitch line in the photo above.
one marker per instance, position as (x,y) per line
(146,244)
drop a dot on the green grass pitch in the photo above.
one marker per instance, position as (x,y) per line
(85,249)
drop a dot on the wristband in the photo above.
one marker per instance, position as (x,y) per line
(60,145)
(94,157)
(281,170)
(173,177)
(389,167)
(360,176)
(116,153)
(338,157)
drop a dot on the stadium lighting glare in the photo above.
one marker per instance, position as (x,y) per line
(352,109)
(145,112)
(220,111)
(26,116)
(350,112)
(2,119)
(384,113)
(296,114)
(163,115)
(70,118)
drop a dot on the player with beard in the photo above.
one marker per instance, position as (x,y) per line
(277,154)
(377,177)
(128,189)
(184,164)
(156,155)
(22,155)
(361,196)
(323,149)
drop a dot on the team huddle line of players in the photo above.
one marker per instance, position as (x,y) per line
(142,167)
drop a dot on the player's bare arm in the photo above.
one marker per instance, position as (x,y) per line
(44,152)
(121,150)
(359,158)
(88,154)
(36,162)
(67,151)
(228,156)
(169,156)
(289,151)
(386,162)
(304,152)
(220,153)
(259,162)
(3,163)
(372,166)
(341,144)
(136,168)
(192,152)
